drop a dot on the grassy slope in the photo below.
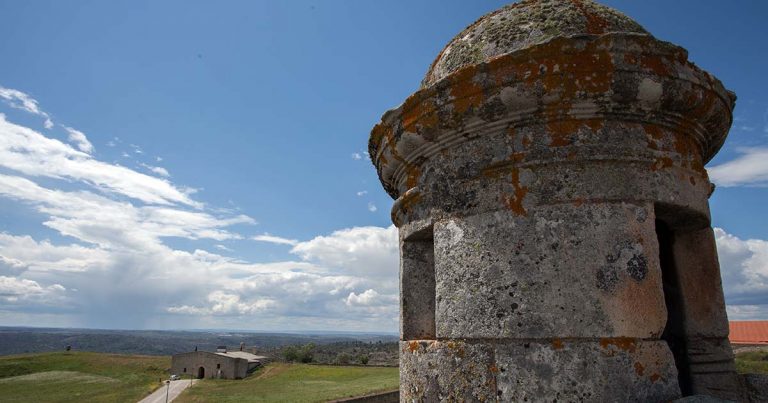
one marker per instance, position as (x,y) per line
(295,383)
(754,362)
(79,377)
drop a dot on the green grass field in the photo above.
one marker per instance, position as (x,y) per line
(753,362)
(79,377)
(295,383)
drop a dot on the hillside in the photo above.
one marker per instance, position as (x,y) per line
(21,340)
(279,382)
(80,377)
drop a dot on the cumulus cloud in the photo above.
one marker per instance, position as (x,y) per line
(114,261)
(749,169)
(265,237)
(23,252)
(222,303)
(372,207)
(15,291)
(362,193)
(78,138)
(357,156)
(365,251)
(370,298)
(744,267)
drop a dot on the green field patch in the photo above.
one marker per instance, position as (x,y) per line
(752,362)
(280,382)
(59,377)
(80,377)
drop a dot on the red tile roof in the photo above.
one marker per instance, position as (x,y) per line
(749,332)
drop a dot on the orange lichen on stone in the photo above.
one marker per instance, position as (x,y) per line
(595,23)
(656,135)
(493,368)
(466,92)
(557,344)
(662,162)
(413,346)
(515,201)
(457,348)
(655,377)
(419,113)
(639,369)
(654,63)
(628,344)
(690,152)
(560,130)
(379,133)
(413,174)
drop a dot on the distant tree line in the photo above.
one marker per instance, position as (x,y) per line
(299,353)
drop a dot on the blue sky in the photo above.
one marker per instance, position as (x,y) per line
(220,150)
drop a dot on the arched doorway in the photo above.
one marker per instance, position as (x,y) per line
(200,373)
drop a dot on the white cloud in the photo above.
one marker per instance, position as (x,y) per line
(372,207)
(15,290)
(357,156)
(96,219)
(23,252)
(362,193)
(20,100)
(364,251)
(222,303)
(116,224)
(158,170)
(265,237)
(78,138)
(749,169)
(30,153)
(744,268)
(370,298)
(747,312)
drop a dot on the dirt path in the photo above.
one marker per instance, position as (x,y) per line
(173,390)
(272,370)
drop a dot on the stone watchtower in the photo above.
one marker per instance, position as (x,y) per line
(553,212)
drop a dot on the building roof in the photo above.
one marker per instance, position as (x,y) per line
(522,25)
(242,354)
(748,332)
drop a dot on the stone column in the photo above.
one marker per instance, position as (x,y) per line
(528,189)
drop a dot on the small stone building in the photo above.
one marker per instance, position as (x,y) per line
(222,364)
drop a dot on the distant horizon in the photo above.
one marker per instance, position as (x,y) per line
(301,332)
(196,165)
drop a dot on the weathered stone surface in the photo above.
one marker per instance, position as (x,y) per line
(619,369)
(524,24)
(417,292)
(567,271)
(435,371)
(553,211)
(612,369)
(756,387)
(701,399)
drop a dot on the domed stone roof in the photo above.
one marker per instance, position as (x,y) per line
(521,25)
